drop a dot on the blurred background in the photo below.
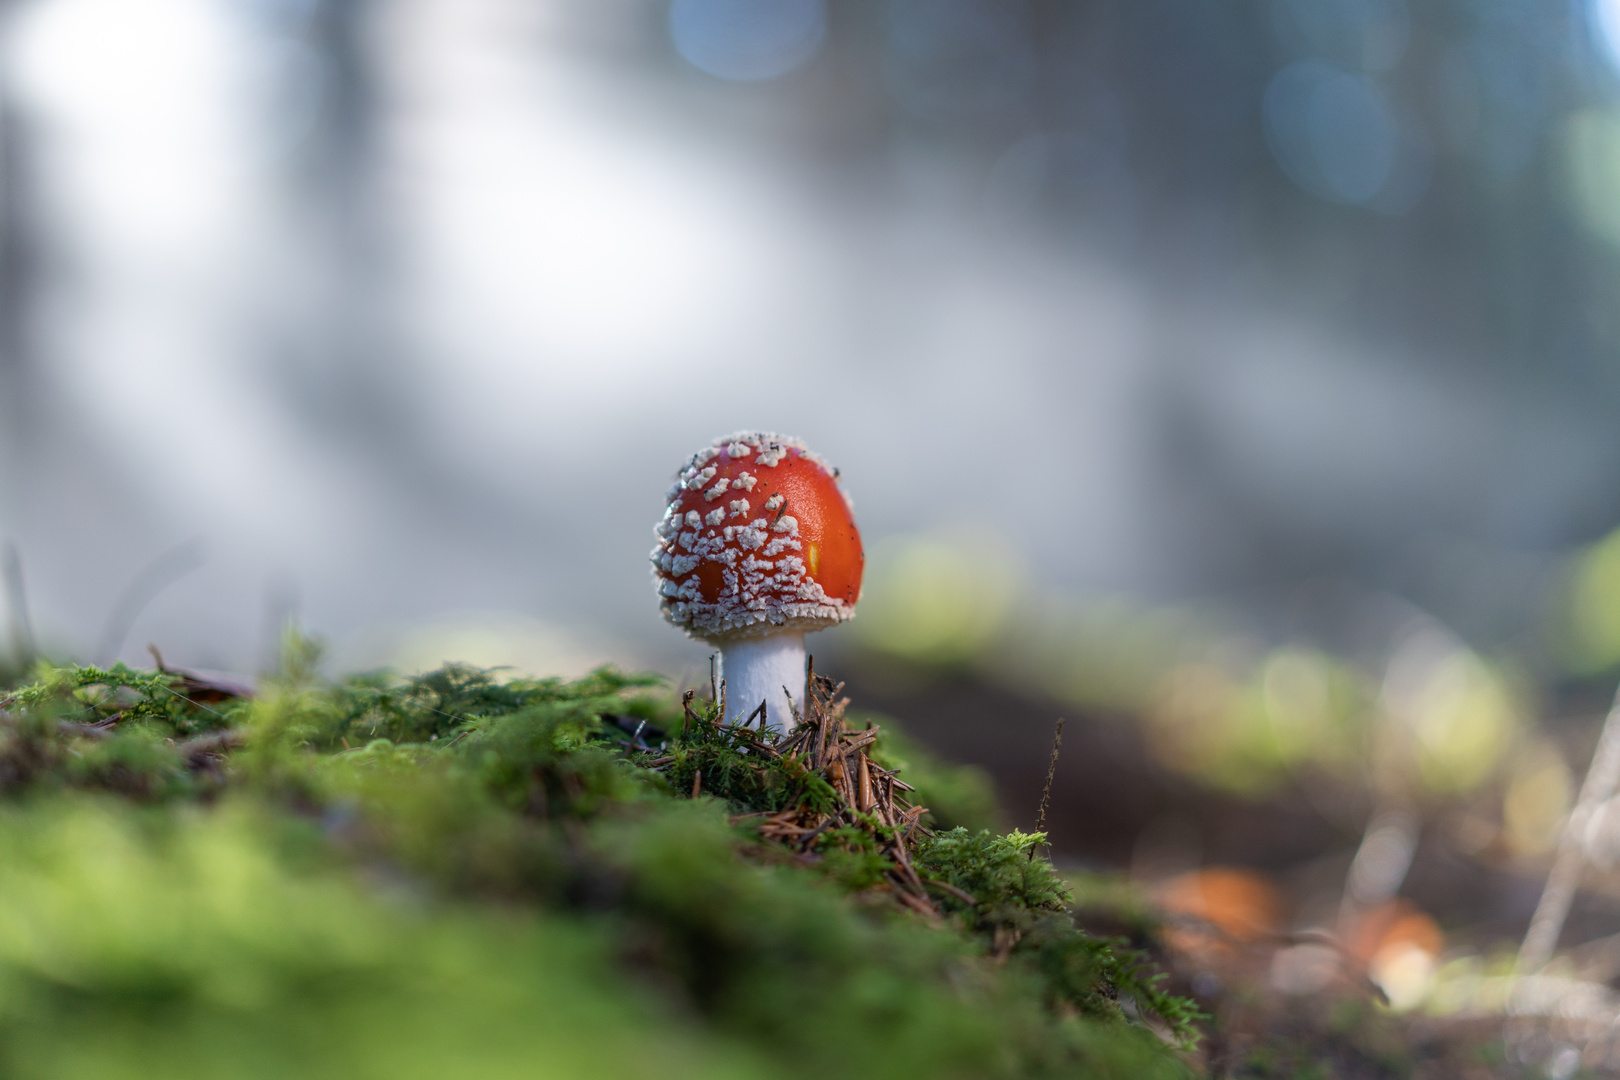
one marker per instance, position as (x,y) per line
(1238,380)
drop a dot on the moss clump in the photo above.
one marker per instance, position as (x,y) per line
(458,875)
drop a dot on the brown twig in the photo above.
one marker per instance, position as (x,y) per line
(961,894)
(917,903)
(862,740)
(212,743)
(823,827)
(1046,793)
(867,797)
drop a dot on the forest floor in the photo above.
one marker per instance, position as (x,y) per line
(466,873)
(1241,900)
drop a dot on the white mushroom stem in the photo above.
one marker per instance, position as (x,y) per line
(757,669)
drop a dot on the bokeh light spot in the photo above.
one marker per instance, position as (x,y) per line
(936,599)
(1332,133)
(1539,793)
(1458,708)
(1605,19)
(748,40)
(1353,136)
(1297,695)
(1592,170)
(1595,607)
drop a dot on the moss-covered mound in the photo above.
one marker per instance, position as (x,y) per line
(460,876)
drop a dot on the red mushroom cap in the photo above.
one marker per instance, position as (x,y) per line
(758,537)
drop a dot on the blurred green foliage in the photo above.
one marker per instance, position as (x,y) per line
(962,600)
(456,875)
(1593,633)
(938,599)
(1438,720)
(223,944)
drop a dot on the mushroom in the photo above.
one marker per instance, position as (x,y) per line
(757,547)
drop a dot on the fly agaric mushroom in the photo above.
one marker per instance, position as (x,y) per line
(757,547)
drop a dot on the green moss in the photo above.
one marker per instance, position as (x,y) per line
(197,944)
(455,875)
(1025,909)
